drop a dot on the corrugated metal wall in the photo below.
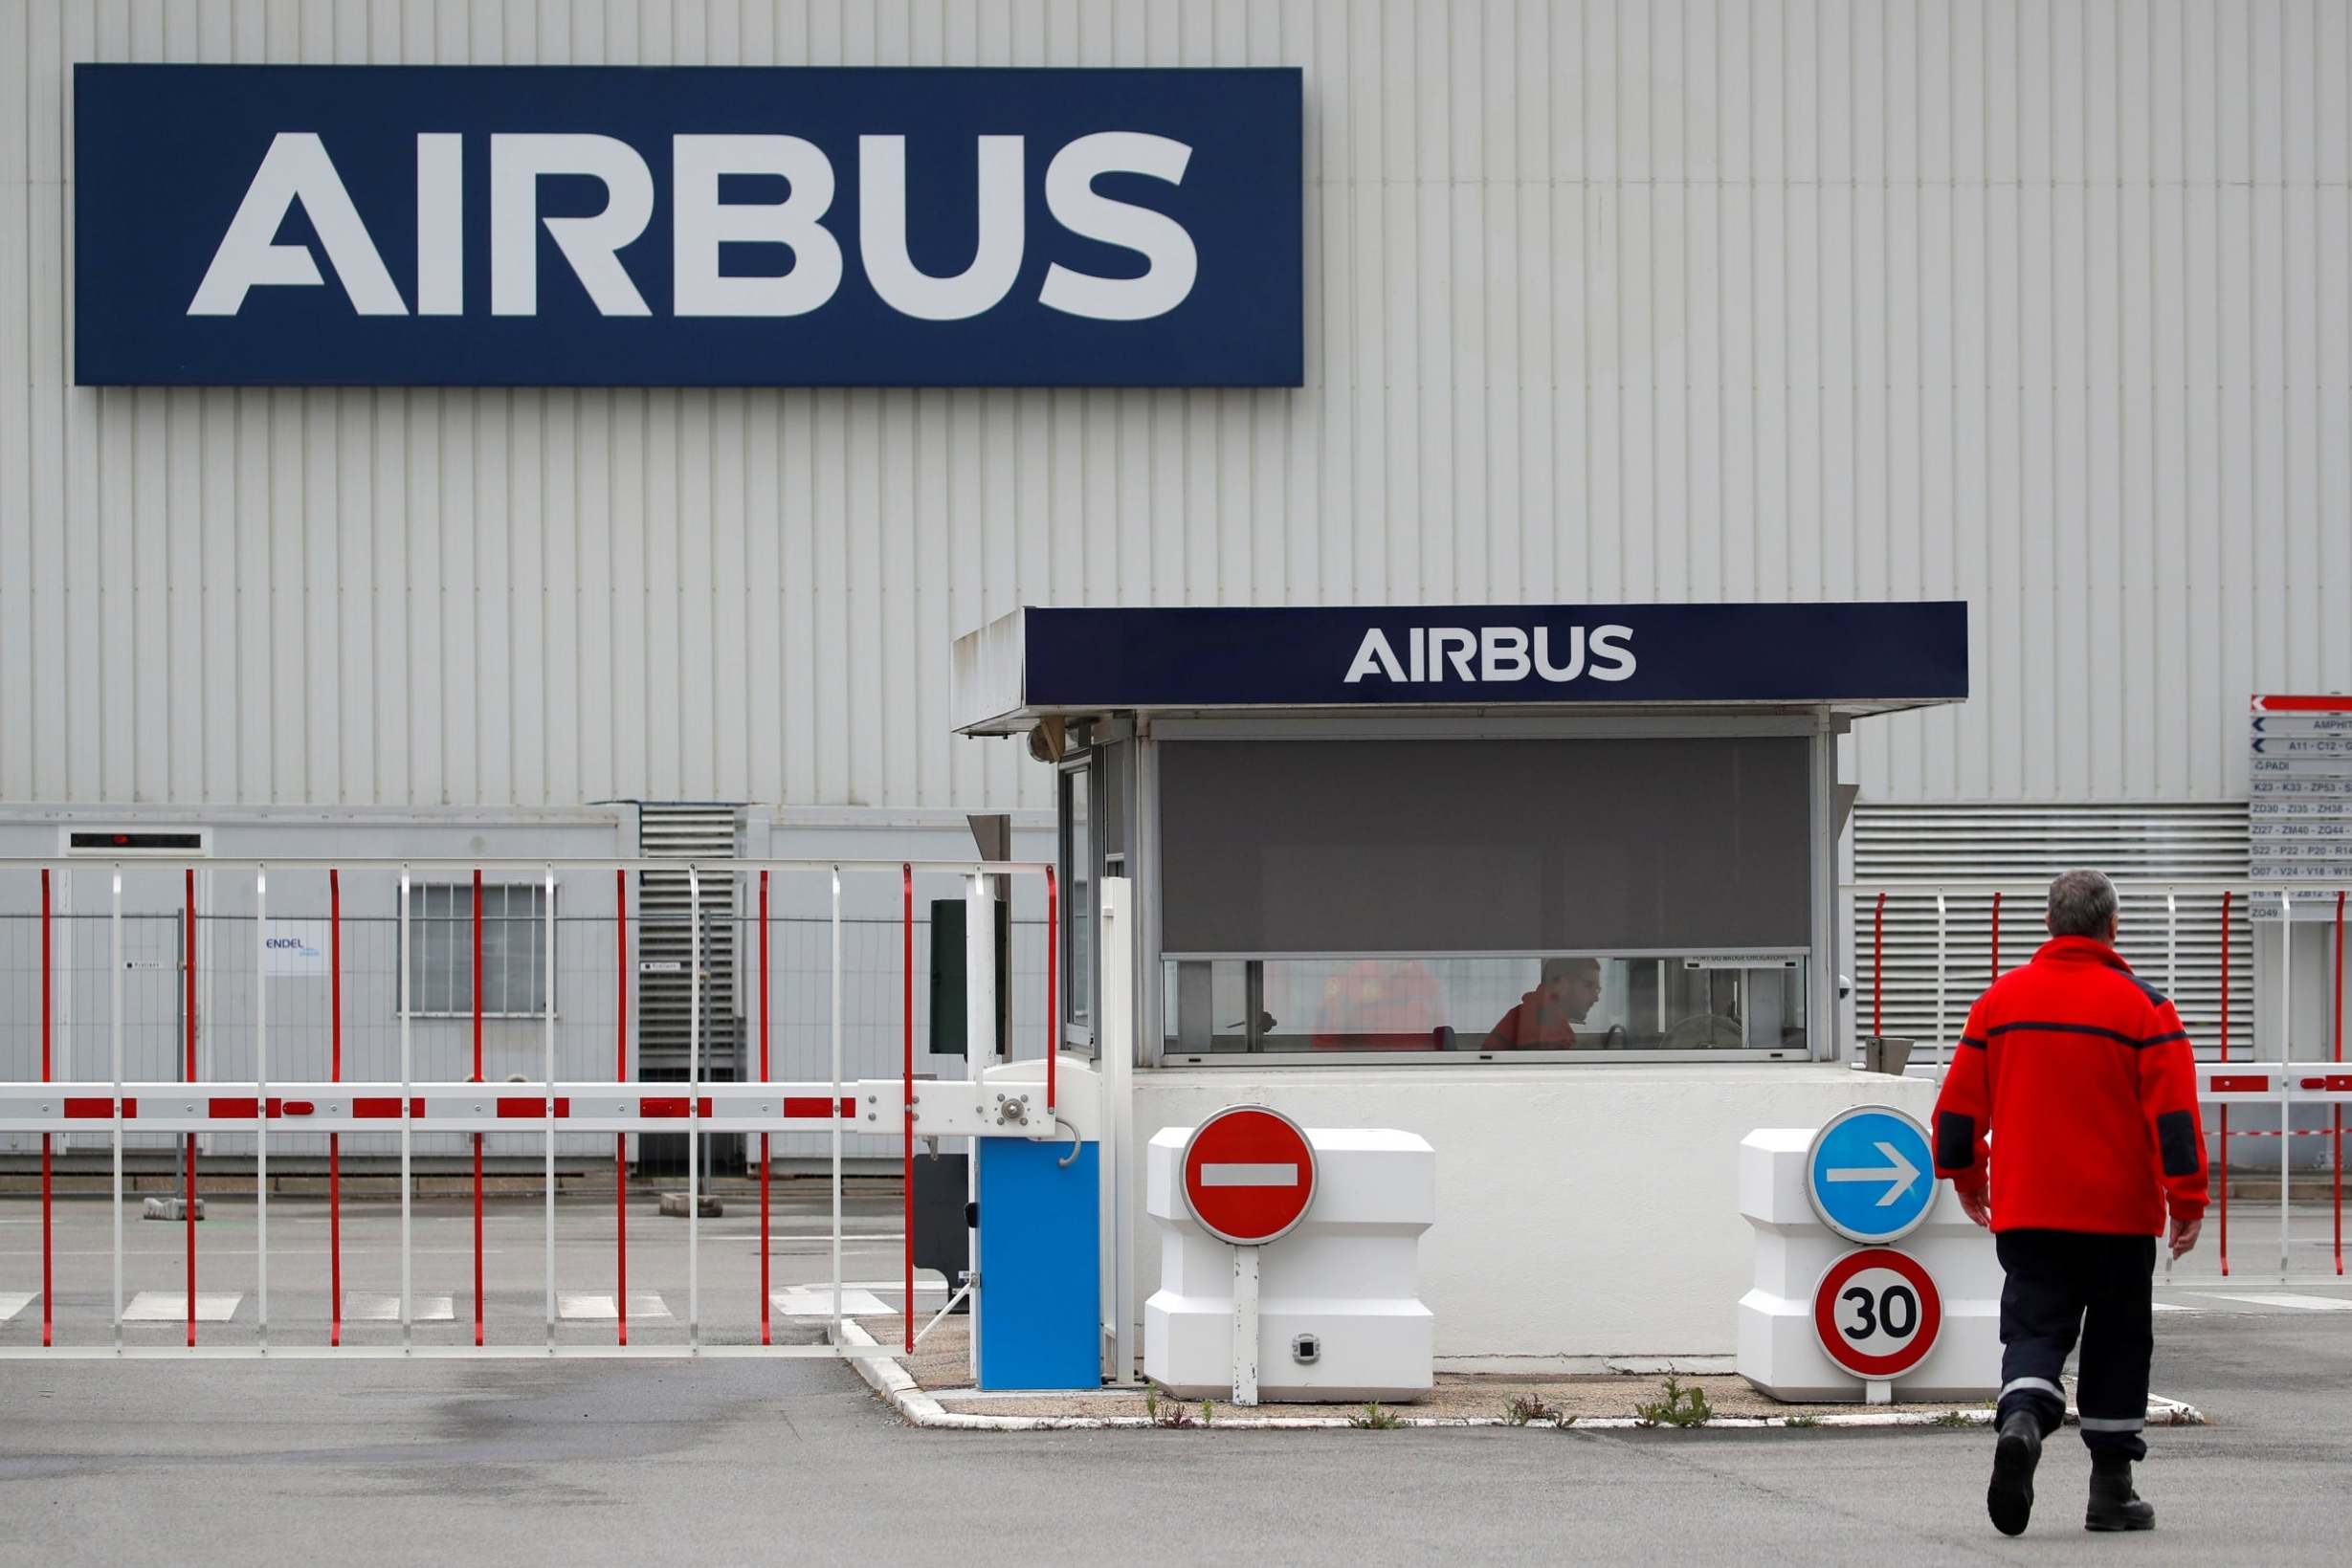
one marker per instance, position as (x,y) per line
(2048,305)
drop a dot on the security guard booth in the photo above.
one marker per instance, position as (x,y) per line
(1552,886)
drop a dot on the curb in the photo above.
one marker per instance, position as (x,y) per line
(916,1408)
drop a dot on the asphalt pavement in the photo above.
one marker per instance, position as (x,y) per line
(744,1461)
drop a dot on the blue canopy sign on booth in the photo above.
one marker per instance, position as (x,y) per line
(1849,657)
(1871,1174)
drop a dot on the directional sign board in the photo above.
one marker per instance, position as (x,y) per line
(1877,1312)
(1870,1174)
(2299,762)
(1249,1175)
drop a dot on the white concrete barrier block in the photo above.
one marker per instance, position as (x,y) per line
(1779,1350)
(1340,1312)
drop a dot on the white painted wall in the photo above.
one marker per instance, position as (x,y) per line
(1581,1212)
(2038,304)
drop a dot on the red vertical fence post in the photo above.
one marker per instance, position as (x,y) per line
(1052,1016)
(188,1012)
(2339,1180)
(766,1307)
(49,1284)
(477,1078)
(1878,969)
(334,1141)
(906,1127)
(2224,1141)
(620,1074)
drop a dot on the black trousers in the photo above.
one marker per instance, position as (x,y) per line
(2068,1284)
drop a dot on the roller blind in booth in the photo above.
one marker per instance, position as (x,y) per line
(1456,846)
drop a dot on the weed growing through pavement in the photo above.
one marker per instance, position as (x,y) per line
(1171,1415)
(1680,1407)
(1372,1418)
(1801,1420)
(1529,1408)
(1952,1418)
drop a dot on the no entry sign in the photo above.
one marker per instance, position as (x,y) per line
(1249,1175)
(1877,1312)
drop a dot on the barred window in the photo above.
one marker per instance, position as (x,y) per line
(514,945)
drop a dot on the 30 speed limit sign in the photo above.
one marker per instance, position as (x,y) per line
(1877,1312)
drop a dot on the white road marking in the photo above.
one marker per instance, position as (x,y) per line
(386,1308)
(2173,1307)
(13,1302)
(1249,1176)
(2300,1303)
(818,1301)
(599,1309)
(172,1306)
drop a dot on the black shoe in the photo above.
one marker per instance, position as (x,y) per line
(2116,1506)
(2010,1499)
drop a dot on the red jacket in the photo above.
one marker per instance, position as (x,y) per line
(2084,1074)
(1536,1023)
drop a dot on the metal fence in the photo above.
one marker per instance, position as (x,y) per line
(474,1020)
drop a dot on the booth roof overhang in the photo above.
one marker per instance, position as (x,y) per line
(1849,658)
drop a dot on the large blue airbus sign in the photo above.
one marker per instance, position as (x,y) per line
(594,226)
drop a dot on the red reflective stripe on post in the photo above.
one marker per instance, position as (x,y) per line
(2223,1197)
(671,1105)
(48,1285)
(188,1140)
(232,1107)
(766,1307)
(1878,970)
(366,1107)
(477,1078)
(812,1105)
(334,1141)
(1052,1016)
(95,1108)
(2338,1184)
(906,1118)
(512,1108)
(620,1074)
(2241,1083)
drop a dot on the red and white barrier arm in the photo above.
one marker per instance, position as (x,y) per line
(2298,1083)
(996,1108)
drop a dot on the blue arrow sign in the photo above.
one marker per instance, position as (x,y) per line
(1871,1174)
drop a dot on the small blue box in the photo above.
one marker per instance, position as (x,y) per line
(1040,1266)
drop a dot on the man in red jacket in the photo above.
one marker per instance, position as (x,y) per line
(2082,1073)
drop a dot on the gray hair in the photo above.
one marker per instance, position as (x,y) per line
(2082,904)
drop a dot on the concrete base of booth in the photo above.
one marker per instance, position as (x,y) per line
(1583,1212)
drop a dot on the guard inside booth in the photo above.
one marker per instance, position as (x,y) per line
(1454,842)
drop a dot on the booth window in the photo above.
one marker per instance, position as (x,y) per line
(440,950)
(1514,895)
(1078,920)
(1557,1002)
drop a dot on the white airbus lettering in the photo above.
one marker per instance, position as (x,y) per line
(591,244)
(881,232)
(703,223)
(1070,195)
(1495,655)
(297,168)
